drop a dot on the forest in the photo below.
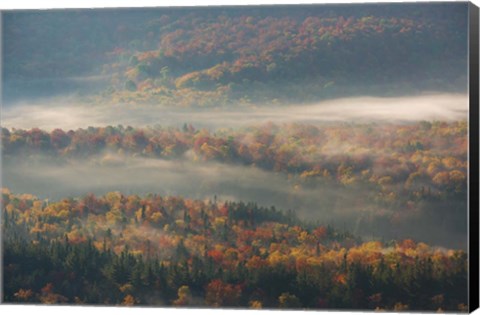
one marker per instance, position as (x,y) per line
(296,157)
(420,156)
(233,57)
(170,251)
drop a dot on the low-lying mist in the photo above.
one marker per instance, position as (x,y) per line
(350,208)
(71,113)
(345,207)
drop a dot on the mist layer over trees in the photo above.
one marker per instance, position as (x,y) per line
(264,157)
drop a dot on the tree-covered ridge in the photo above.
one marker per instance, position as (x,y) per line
(157,250)
(394,175)
(249,58)
(415,155)
(245,48)
(212,57)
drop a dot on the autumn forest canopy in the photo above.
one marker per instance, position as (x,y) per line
(118,249)
(220,56)
(305,157)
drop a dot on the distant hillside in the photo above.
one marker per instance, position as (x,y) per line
(212,56)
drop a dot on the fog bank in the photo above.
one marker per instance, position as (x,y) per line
(69,113)
(349,208)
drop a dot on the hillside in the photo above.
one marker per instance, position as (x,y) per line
(383,180)
(170,251)
(221,56)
